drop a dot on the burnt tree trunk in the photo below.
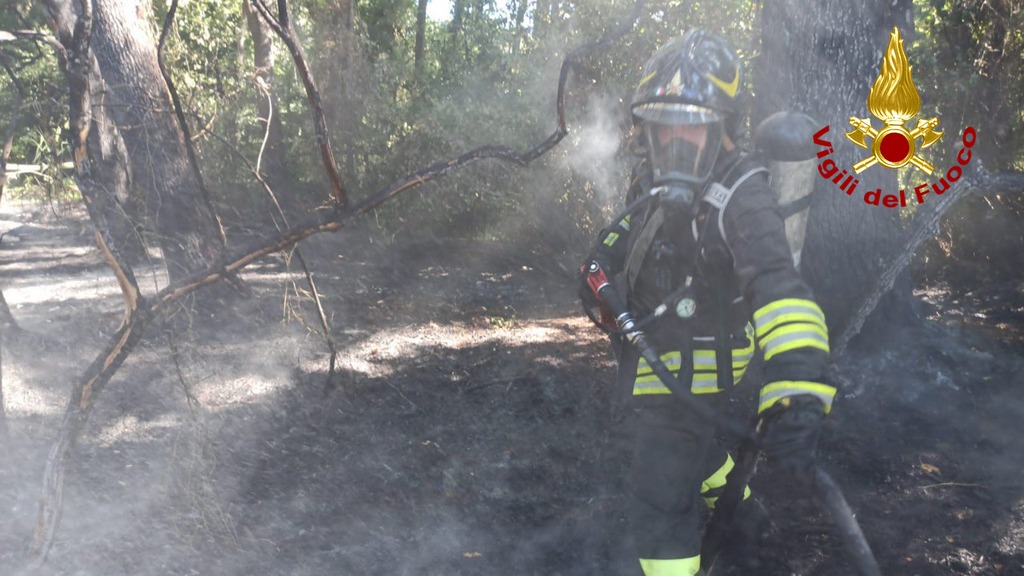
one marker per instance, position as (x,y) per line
(101,159)
(273,162)
(138,101)
(821,59)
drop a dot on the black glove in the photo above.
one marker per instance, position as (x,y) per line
(790,431)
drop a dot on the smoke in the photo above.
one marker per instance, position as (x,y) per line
(595,144)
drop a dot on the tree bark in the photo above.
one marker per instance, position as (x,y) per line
(421,39)
(138,102)
(822,58)
(102,171)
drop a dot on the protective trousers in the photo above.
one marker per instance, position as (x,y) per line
(677,463)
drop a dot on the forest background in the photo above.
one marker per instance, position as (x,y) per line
(404,84)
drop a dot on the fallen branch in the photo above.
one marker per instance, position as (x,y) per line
(923,227)
(123,342)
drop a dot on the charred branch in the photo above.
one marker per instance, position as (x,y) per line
(147,311)
(282,26)
(922,228)
(190,151)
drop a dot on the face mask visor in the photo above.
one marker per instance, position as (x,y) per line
(682,141)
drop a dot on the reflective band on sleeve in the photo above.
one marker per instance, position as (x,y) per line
(625,223)
(787,310)
(612,237)
(792,337)
(772,393)
(675,567)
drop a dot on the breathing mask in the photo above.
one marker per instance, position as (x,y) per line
(681,157)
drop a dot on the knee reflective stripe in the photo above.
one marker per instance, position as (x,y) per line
(674,567)
(789,324)
(612,237)
(713,486)
(625,223)
(776,391)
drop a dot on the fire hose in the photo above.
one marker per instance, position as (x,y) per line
(825,489)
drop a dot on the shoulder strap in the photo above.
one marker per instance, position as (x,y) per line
(640,243)
(719,194)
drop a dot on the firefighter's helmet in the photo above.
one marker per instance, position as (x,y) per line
(689,95)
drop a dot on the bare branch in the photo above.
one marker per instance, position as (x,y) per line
(324,324)
(123,342)
(183,124)
(923,228)
(282,27)
(6,36)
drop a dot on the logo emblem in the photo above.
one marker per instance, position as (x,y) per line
(894,100)
(729,88)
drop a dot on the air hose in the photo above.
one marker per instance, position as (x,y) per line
(825,488)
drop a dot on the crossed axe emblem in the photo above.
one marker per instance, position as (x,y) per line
(893,146)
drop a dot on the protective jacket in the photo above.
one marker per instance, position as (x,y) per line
(727,278)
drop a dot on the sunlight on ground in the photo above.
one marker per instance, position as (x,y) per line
(374,356)
(240,390)
(21,400)
(129,428)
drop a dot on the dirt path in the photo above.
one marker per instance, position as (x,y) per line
(472,429)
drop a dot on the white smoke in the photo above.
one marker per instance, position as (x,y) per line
(593,151)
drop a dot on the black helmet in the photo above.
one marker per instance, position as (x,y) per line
(692,84)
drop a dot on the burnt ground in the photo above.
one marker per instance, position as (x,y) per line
(471,429)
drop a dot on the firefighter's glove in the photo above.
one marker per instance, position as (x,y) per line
(790,430)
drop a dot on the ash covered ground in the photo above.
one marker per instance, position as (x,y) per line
(472,427)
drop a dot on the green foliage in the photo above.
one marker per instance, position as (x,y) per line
(487,77)
(967,59)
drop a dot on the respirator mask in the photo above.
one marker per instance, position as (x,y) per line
(682,148)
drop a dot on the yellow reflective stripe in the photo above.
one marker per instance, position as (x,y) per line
(787,310)
(717,480)
(705,379)
(612,237)
(806,317)
(794,336)
(672,361)
(652,390)
(772,393)
(710,501)
(625,222)
(675,567)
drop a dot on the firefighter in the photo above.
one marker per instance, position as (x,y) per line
(710,248)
